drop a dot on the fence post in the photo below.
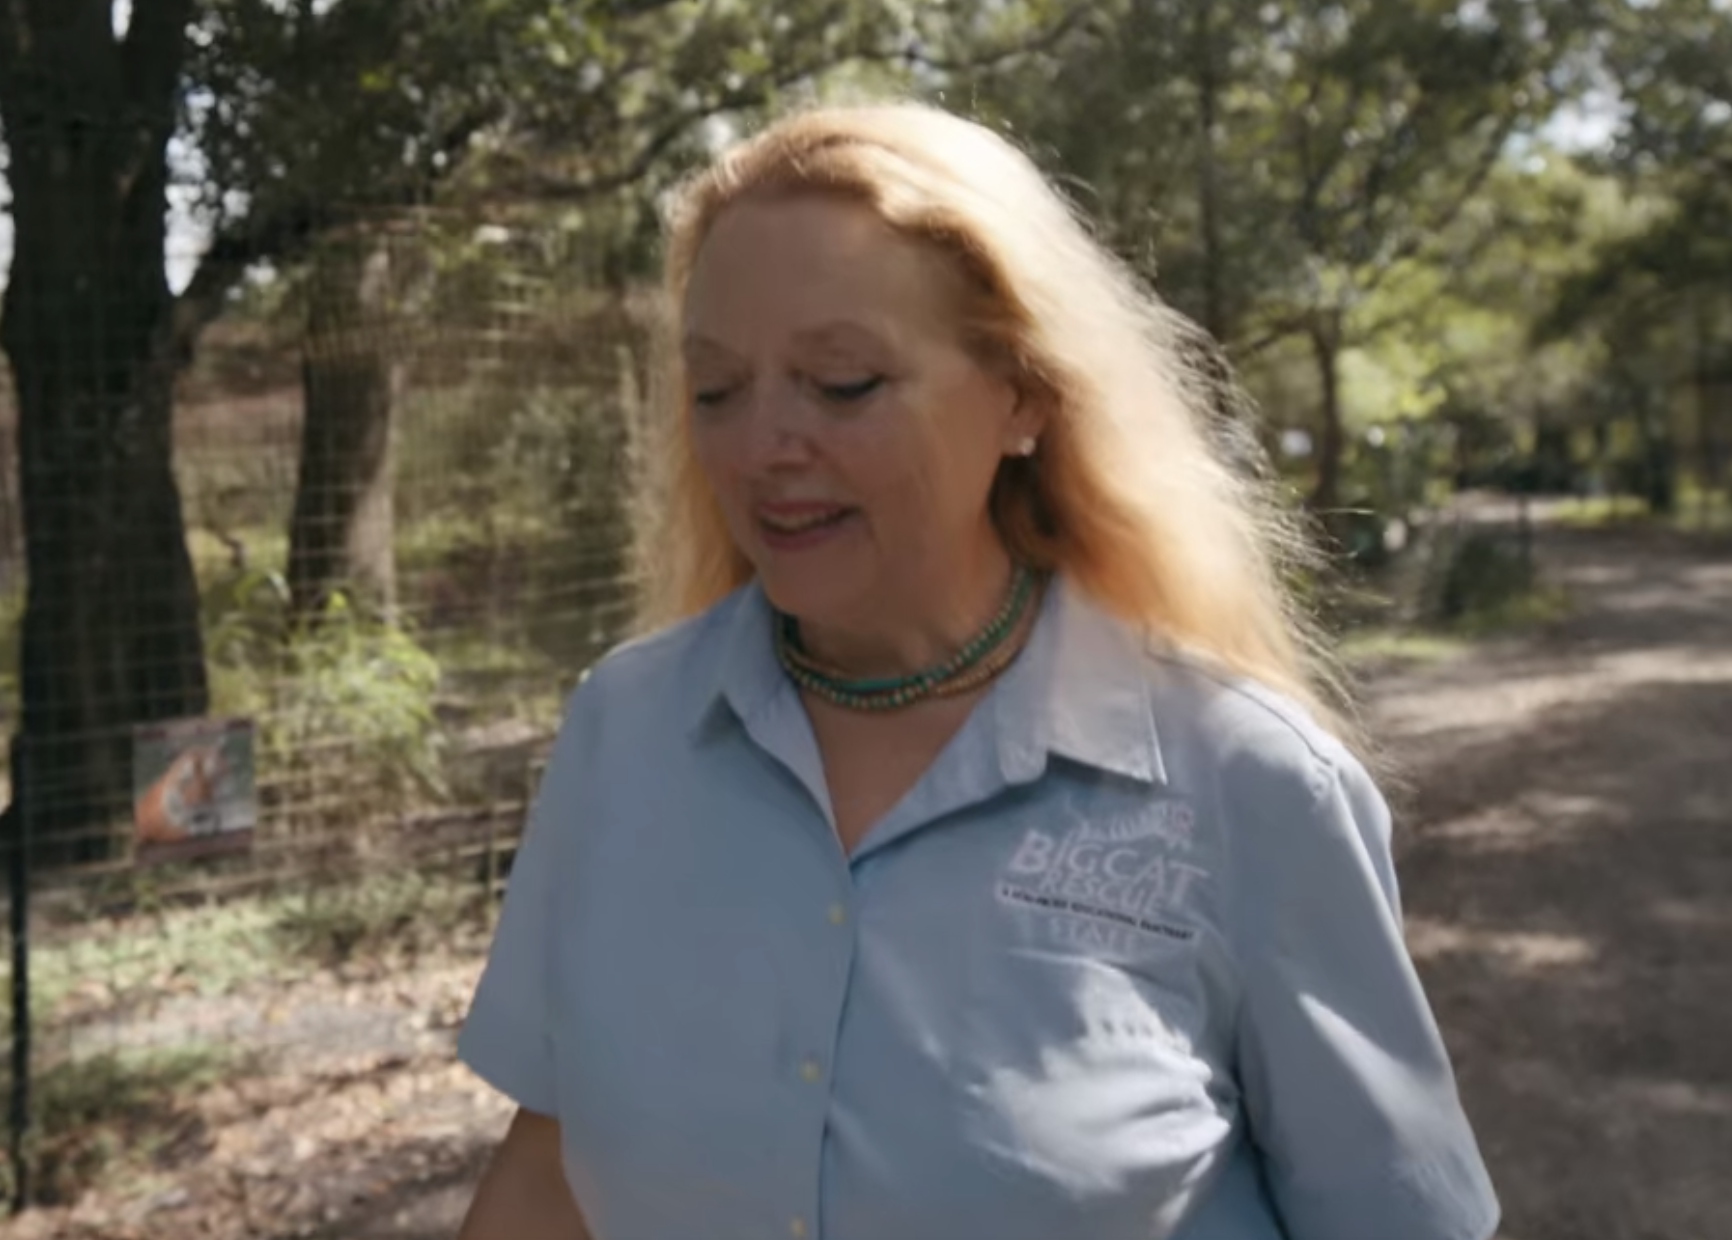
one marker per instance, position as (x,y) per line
(1525,535)
(19,881)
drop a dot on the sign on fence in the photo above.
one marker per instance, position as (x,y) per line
(193,788)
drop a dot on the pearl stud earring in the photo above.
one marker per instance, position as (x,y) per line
(1026,447)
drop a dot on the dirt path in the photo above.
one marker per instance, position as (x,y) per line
(1566,858)
(1567,864)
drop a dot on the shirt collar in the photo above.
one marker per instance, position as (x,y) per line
(745,675)
(1080,690)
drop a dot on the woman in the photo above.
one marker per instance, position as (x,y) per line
(974,855)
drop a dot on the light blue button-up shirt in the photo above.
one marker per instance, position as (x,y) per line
(1125,964)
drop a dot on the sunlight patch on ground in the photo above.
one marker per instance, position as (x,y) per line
(1692,915)
(1675,665)
(1560,808)
(1628,1096)
(1429,939)
(1505,706)
(1511,703)
(1490,828)
(1523,823)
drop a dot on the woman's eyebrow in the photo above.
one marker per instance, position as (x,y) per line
(839,331)
(697,342)
(835,334)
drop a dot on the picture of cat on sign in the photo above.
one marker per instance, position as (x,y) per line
(193,788)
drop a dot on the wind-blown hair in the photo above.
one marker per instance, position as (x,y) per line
(1129,495)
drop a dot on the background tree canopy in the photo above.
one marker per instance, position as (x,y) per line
(1443,243)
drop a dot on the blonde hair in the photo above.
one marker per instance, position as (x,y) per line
(1128,498)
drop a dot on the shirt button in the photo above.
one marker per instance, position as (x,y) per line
(796,1227)
(809,1070)
(838,914)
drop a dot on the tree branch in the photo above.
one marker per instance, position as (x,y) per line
(150,62)
(1044,41)
(643,160)
(282,235)
(12,41)
(152,54)
(1282,329)
(552,188)
(627,9)
(1417,239)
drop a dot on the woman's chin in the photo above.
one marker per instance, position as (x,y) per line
(808,598)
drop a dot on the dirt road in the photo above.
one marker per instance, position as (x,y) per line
(1567,866)
(1566,858)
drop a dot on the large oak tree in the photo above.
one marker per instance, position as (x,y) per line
(310,120)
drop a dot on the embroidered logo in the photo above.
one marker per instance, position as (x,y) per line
(1129,871)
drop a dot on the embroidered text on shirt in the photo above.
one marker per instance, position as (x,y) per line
(1121,870)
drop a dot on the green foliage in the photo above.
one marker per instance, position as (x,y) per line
(1344,138)
(304,112)
(365,685)
(1482,574)
(1277,165)
(344,700)
(384,915)
(1488,584)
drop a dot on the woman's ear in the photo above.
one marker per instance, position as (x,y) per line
(1029,417)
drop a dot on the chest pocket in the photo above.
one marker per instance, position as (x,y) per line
(1102,1031)
(1095,1090)
(1057,1050)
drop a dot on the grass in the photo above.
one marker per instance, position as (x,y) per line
(221,948)
(1537,605)
(266,547)
(448,534)
(393,914)
(1693,514)
(113,1119)
(117,1118)
(1481,587)
(1438,641)
(208,950)
(1403,645)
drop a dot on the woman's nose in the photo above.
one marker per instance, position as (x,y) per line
(776,425)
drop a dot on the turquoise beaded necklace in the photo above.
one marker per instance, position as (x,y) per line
(983,656)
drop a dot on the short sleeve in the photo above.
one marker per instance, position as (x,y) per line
(1348,1089)
(506,1036)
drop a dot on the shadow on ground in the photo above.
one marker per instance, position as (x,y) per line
(426,1206)
(1567,862)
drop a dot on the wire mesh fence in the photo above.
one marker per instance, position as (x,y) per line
(398,492)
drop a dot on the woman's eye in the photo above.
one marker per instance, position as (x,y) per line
(846,392)
(709,398)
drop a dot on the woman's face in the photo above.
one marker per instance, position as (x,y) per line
(849,437)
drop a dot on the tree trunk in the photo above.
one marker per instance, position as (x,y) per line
(1710,472)
(111,622)
(340,537)
(1208,181)
(1331,440)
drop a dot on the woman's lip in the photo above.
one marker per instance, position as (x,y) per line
(795,516)
(793,509)
(800,537)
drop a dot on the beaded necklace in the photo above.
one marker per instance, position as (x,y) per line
(981,658)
